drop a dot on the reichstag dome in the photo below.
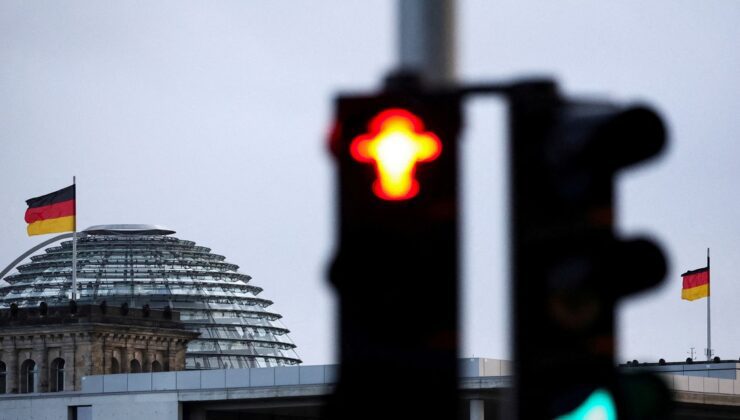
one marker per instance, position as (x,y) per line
(144,265)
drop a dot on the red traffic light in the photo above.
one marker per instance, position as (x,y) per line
(395,143)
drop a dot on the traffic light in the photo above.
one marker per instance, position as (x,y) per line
(396,265)
(569,266)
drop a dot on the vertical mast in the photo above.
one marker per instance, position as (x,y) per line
(74,246)
(709,316)
(426,43)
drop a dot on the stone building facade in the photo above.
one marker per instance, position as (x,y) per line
(50,349)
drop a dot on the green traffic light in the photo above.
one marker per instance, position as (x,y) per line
(598,406)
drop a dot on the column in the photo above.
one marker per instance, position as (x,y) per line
(70,365)
(146,360)
(83,360)
(97,354)
(11,365)
(40,356)
(477,410)
(126,357)
(116,353)
(105,353)
(70,347)
(180,355)
(171,355)
(167,355)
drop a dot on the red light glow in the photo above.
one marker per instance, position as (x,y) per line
(395,143)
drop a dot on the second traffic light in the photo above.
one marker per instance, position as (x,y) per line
(569,267)
(396,265)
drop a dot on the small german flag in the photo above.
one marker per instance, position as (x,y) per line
(695,284)
(52,213)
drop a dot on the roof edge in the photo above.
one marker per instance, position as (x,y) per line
(128,229)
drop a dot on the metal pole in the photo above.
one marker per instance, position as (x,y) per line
(426,39)
(709,315)
(74,246)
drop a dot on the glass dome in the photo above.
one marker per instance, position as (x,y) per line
(142,264)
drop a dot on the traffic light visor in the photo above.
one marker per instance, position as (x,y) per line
(395,143)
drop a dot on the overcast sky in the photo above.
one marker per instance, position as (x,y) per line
(210,117)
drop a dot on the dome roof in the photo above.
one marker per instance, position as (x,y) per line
(128,230)
(142,264)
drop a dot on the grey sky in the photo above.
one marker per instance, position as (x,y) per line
(210,118)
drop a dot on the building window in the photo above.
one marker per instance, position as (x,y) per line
(135,366)
(56,376)
(115,367)
(156,366)
(3,377)
(29,376)
(80,412)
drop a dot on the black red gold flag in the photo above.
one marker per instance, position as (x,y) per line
(695,284)
(52,213)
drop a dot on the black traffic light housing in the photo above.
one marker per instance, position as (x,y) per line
(569,267)
(396,266)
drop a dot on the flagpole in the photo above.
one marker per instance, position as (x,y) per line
(709,314)
(74,246)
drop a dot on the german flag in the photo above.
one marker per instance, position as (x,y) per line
(695,284)
(52,213)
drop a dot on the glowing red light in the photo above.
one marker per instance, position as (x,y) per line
(395,143)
